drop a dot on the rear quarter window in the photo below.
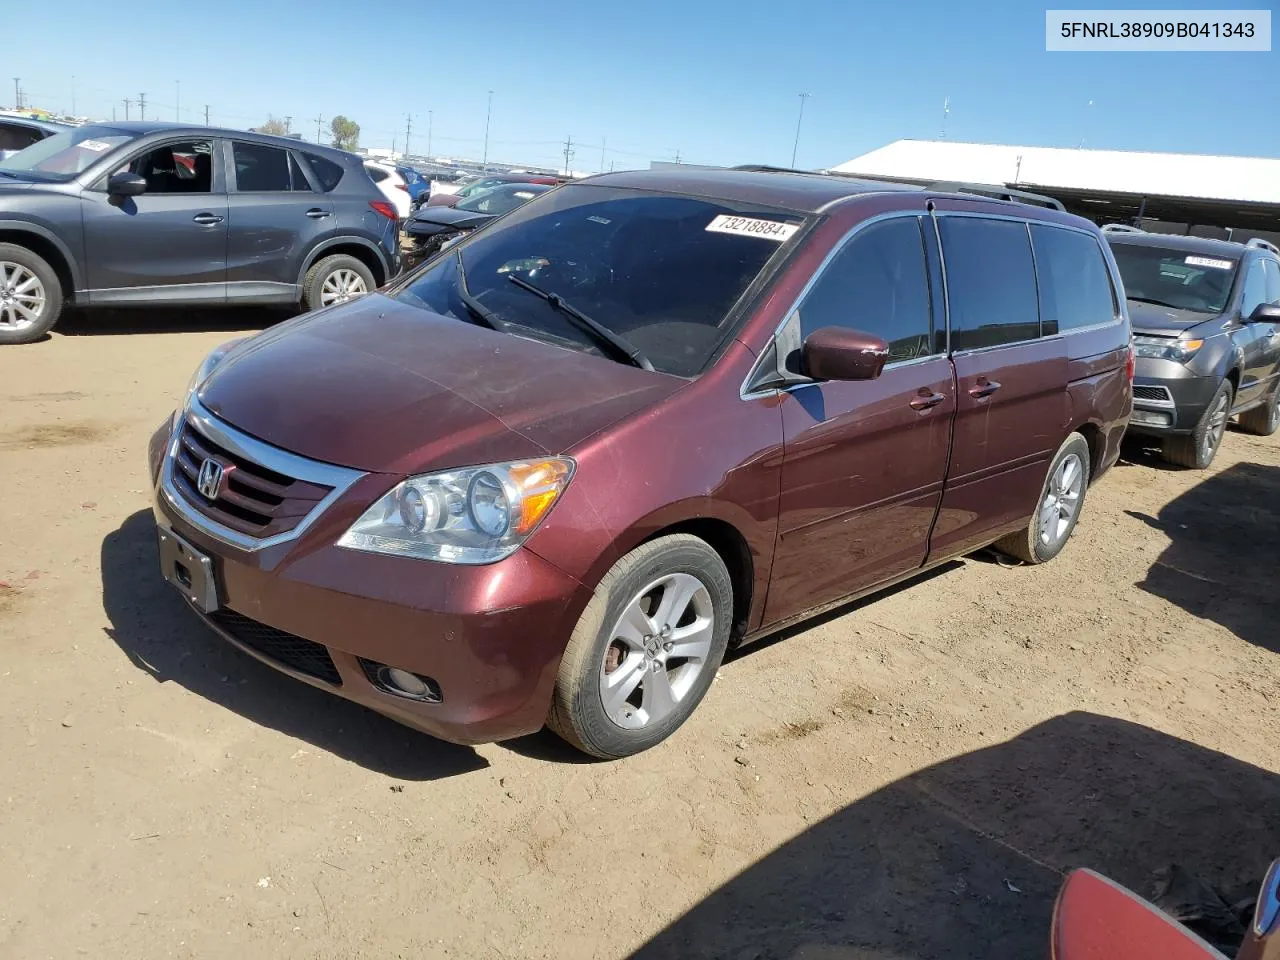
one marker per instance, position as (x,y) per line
(1075,285)
(327,172)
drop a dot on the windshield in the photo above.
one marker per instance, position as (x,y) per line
(1175,278)
(477,186)
(64,155)
(499,200)
(662,271)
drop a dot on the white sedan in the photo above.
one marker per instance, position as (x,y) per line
(392,186)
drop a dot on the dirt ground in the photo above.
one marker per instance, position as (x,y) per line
(906,778)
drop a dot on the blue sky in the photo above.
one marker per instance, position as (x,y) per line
(716,80)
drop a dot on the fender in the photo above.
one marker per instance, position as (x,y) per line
(29,226)
(345,240)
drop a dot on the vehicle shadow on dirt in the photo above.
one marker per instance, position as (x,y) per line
(1224,556)
(164,638)
(964,859)
(170,319)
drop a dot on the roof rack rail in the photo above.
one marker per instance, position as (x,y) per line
(997,192)
(766,168)
(1121,228)
(1263,245)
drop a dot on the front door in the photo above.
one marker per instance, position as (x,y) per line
(276,217)
(864,461)
(170,243)
(1011,384)
(1259,341)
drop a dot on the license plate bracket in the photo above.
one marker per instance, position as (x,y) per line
(189,570)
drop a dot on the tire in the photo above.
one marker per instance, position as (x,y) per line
(29,284)
(602,645)
(1045,536)
(1263,420)
(1198,448)
(337,270)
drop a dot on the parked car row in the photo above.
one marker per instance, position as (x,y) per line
(549,477)
(434,227)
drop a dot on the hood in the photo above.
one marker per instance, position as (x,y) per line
(1164,321)
(440,219)
(382,386)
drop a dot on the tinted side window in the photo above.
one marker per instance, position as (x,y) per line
(1075,287)
(1273,281)
(991,283)
(377,174)
(15,137)
(1255,289)
(324,168)
(296,175)
(876,283)
(260,168)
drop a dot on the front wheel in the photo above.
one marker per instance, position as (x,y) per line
(30,295)
(1198,448)
(335,279)
(1060,502)
(646,648)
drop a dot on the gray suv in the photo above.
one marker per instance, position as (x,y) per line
(129,214)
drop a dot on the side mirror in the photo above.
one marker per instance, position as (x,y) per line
(836,353)
(1265,313)
(126,185)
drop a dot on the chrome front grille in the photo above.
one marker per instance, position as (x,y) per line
(240,490)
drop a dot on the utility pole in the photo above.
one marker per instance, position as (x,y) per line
(487,115)
(408,128)
(142,106)
(127,104)
(677,155)
(602,143)
(177,99)
(17,93)
(796,145)
(73,94)
(946,109)
(568,153)
(288,124)
(319,120)
(430,117)
(206,114)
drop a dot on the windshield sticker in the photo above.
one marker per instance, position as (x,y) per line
(1210,262)
(750,227)
(97,146)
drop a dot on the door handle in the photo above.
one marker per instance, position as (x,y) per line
(208,219)
(983,388)
(926,399)
(315,213)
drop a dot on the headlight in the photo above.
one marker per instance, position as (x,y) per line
(206,367)
(1166,348)
(470,515)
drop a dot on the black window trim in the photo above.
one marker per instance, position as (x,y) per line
(233,176)
(1027,221)
(217,178)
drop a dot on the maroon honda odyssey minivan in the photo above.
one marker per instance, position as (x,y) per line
(550,476)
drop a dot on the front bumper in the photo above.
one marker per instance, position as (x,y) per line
(1168,398)
(490,636)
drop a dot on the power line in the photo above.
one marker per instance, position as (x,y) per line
(408,128)
(127,103)
(288,124)
(568,154)
(796,145)
(142,106)
(487,115)
(17,93)
(319,120)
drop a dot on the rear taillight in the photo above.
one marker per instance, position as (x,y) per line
(1130,362)
(385,208)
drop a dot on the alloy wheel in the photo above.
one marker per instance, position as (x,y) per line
(1217,427)
(340,286)
(1061,500)
(22,296)
(656,651)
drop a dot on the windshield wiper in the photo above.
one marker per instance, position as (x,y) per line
(1158,303)
(622,348)
(474,306)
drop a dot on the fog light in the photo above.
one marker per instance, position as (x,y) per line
(402,683)
(1152,418)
